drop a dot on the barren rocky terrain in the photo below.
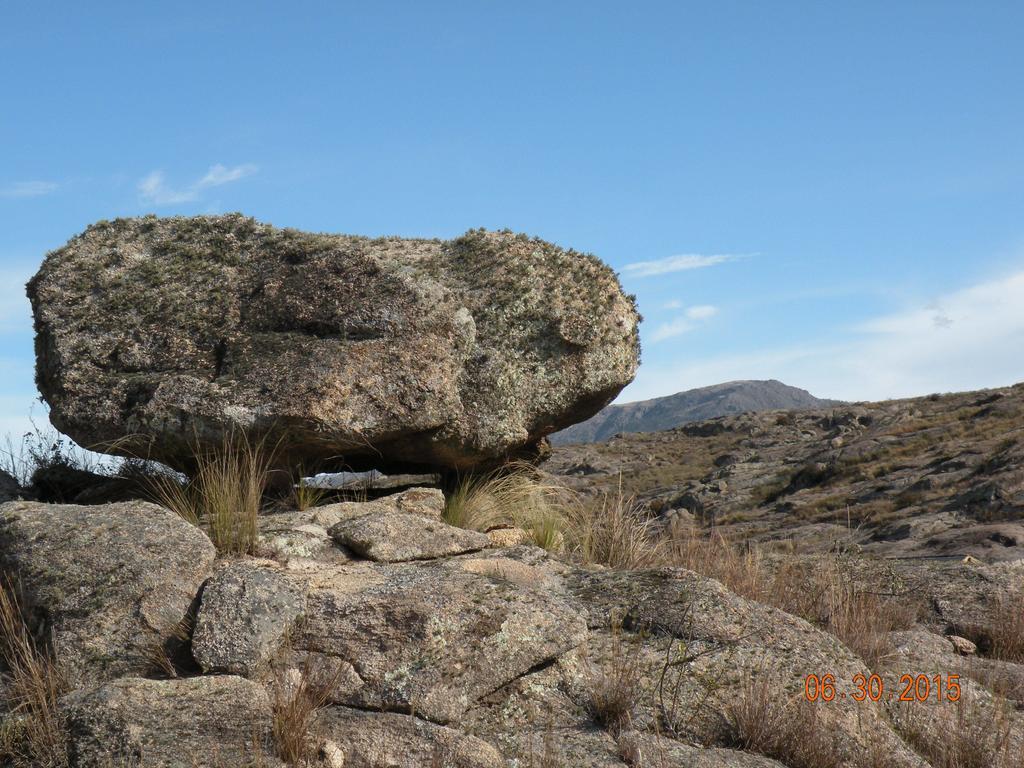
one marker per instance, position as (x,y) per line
(939,476)
(798,589)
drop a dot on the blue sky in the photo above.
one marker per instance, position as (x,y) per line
(827,193)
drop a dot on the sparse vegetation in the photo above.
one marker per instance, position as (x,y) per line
(515,497)
(969,733)
(614,531)
(614,687)
(304,495)
(1006,636)
(31,729)
(789,730)
(296,697)
(224,494)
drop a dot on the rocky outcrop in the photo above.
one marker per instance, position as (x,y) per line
(111,582)
(154,334)
(428,638)
(201,722)
(501,657)
(302,537)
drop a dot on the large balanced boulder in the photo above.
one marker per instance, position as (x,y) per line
(153,335)
(111,583)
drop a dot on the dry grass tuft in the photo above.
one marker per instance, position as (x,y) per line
(32,730)
(224,495)
(741,569)
(825,594)
(516,497)
(614,688)
(615,532)
(304,495)
(297,695)
(1006,631)
(964,734)
(790,731)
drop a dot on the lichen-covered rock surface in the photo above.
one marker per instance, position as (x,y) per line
(110,583)
(200,722)
(153,334)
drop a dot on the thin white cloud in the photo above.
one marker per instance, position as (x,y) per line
(154,189)
(702,312)
(219,174)
(678,263)
(673,304)
(28,188)
(675,327)
(968,339)
(684,323)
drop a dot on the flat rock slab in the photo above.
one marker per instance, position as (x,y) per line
(301,539)
(374,739)
(198,722)
(392,537)
(429,638)
(244,616)
(399,354)
(112,581)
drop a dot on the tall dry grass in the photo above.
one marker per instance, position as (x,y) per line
(614,531)
(225,493)
(964,734)
(517,497)
(297,697)
(788,730)
(825,593)
(1006,630)
(614,687)
(33,732)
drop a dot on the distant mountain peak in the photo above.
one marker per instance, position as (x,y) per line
(692,405)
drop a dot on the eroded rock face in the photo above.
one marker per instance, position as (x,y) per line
(430,638)
(198,722)
(111,581)
(157,333)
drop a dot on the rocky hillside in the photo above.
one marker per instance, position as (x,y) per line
(683,407)
(503,621)
(938,476)
(373,634)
